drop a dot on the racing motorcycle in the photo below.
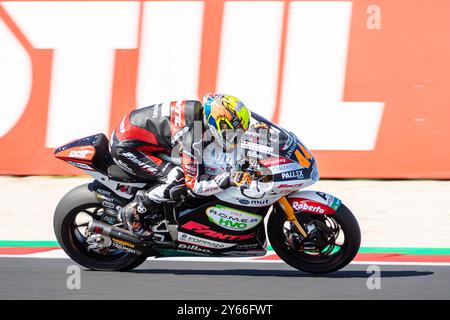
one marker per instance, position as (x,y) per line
(311,231)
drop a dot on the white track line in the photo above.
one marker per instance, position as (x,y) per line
(395,263)
(60,254)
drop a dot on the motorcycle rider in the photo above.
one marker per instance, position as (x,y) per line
(145,137)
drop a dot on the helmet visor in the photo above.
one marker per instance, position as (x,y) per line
(227,133)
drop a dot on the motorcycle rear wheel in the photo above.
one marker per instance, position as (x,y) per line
(316,263)
(82,200)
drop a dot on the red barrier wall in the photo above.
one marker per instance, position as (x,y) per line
(404,66)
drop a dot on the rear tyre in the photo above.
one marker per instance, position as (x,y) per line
(69,233)
(333,257)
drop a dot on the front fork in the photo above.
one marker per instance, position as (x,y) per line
(290,214)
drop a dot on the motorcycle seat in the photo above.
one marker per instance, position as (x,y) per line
(116,173)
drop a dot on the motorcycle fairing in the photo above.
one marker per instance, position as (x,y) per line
(314,202)
(198,233)
(123,189)
(91,155)
(87,153)
(261,194)
(110,201)
(237,197)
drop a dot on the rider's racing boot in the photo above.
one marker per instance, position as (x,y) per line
(133,214)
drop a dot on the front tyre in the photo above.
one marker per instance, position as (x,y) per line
(333,246)
(72,215)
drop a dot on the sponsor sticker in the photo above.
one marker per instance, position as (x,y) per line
(156,109)
(80,165)
(232,219)
(335,204)
(103,192)
(125,246)
(80,154)
(211,189)
(124,188)
(288,143)
(254,154)
(193,248)
(306,205)
(247,246)
(126,249)
(275,161)
(206,230)
(279,192)
(187,238)
(244,201)
(286,168)
(124,166)
(177,116)
(140,163)
(108,204)
(122,125)
(109,219)
(247,202)
(298,174)
(111,212)
(252,253)
(256,147)
(290,186)
(291,151)
(331,201)
(123,242)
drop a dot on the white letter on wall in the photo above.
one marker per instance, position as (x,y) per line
(249,53)
(15,79)
(314,77)
(170,51)
(84,36)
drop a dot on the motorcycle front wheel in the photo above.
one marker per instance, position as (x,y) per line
(333,244)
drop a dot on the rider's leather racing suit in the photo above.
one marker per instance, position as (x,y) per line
(145,135)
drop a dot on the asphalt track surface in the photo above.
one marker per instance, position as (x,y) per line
(29,278)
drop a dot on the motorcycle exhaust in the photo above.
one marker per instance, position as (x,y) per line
(121,239)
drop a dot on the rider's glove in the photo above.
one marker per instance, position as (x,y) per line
(234,179)
(240,179)
(223,180)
